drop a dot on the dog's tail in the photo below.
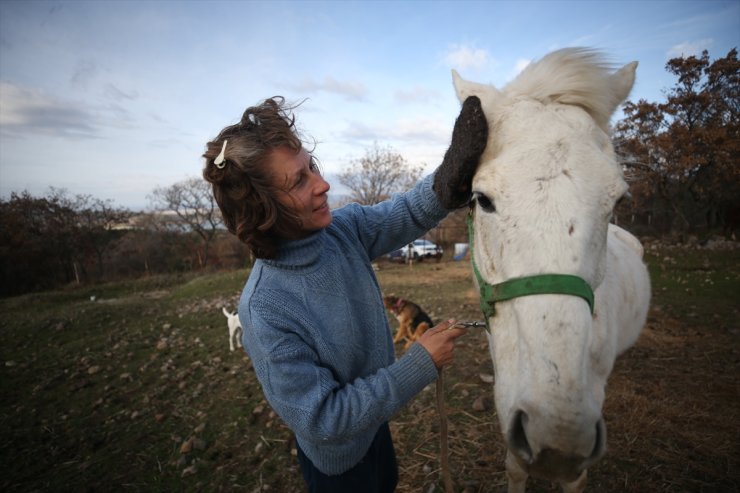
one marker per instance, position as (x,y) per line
(226,313)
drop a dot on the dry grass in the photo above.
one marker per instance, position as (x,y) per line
(671,410)
(93,400)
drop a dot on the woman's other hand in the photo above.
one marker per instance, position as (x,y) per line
(439,342)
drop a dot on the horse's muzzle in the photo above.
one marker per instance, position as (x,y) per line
(558,454)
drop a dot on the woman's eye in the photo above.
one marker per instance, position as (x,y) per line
(484,202)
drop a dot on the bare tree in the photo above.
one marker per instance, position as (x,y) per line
(192,204)
(379,174)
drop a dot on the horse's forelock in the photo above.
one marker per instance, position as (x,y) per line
(573,76)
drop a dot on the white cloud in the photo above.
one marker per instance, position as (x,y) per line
(113,92)
(425,129)
(357,131)
(421,129)
(351,90)
(465,57)
(29,110)
(689,48)
(416,94)
(26,110)
(520,65)
(83,73)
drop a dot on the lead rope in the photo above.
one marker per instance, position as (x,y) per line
(443,446)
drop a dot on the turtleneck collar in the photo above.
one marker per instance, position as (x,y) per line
(299,254)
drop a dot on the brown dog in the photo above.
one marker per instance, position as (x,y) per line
(412,320)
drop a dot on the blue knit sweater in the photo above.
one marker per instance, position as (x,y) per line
(318,336)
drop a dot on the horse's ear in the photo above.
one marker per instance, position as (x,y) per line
(465,88)
(621,82)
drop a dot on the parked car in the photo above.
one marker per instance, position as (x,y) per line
(420,250)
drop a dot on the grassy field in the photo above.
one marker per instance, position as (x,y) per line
(132,387)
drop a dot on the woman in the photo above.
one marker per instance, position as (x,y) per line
(314,323)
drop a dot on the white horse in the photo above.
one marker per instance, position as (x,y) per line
(572,289)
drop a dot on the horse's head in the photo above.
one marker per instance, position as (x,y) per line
(543,196)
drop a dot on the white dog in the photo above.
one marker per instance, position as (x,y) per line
(235,329)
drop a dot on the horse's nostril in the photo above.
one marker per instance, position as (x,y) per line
(518,436)
(600,444)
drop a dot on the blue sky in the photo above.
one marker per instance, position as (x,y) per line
(115,98)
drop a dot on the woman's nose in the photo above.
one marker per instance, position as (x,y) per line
(322,186)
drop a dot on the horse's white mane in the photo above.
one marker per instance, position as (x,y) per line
(573,76)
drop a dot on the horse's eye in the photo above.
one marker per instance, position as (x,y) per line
(484,202)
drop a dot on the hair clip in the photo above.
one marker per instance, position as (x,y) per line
(220,160)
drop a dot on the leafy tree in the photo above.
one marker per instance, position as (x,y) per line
(47,241)
(684,151)
(35,244)
(195,209)
(96,226)
(376,176)
(148,250)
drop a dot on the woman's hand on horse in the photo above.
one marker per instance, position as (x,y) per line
(454,177)
(439,342)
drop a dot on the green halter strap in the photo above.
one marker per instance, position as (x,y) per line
(525,286)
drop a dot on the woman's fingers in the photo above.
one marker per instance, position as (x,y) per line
(440,342)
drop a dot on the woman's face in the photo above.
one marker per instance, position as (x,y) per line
(301,188)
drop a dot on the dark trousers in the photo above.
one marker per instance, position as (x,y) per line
(377,472)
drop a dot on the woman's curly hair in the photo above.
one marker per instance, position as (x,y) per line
(243,186)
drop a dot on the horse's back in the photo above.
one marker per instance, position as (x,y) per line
(632,290)
(627,238)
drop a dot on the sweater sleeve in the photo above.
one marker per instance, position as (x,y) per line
(310,398)
(393,223)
